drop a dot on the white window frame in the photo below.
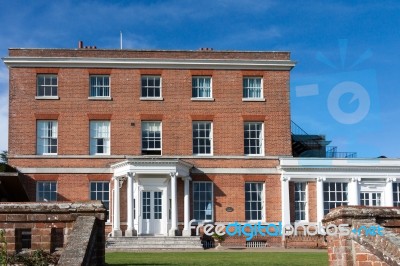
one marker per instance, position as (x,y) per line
(248,88)
(263,218)
(96,87)
(304,200)
(363,199)
(38,192)
(101,192)
(94,137)
(199,201)
(161,138)
(42,128)
(396,192)
(210,138)
(146,97)
(248,140)
(199,88)
(47,87)
(335,201)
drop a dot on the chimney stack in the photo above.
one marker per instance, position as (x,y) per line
(80,46)
(206,49)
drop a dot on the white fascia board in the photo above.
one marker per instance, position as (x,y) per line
(82,62)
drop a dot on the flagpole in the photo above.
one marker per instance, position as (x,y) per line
(120,39)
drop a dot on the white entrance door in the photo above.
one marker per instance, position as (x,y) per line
(152,212)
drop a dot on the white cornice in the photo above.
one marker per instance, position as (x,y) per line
(151,162)
(329,167)
(61,170)
(197,157)
(152,166)
(334,163)
(90,62)
(243,171)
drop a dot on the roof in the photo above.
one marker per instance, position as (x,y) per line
(11,188)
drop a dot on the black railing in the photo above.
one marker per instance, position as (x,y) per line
(310,146)
(308,140)
(342,155)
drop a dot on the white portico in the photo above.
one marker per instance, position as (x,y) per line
(151,194)
(367,182)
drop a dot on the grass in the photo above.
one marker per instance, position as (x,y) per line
(217,258)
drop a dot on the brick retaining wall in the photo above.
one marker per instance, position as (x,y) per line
(359,249)
(48,226)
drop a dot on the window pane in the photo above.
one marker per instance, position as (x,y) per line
(335,194)
(202,137)
(46,191)
(99,137)
(46,137)
(252,87)
(99,190)
(201,87)
(202,200)
(47,85)
(151,137)
(99,86)
(254,200)
(151,86)
(300,200)
(253,138)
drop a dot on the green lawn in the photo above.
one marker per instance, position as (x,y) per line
(217,258)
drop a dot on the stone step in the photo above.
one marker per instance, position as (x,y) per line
(153,242)
(125,244)
(158,241)
(155,238)
(154,247)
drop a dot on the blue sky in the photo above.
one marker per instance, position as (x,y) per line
(345,84)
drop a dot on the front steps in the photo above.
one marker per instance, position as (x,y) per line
(152,243)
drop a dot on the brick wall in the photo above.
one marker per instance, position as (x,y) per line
(362,249)
(42,221)
(149,54)
(73,111)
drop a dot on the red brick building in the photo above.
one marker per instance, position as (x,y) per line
(162,137)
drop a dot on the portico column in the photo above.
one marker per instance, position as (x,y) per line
(389,192)
(174,209)
(285,200)
(354,195)
(130,228)
(320,198)
(186,207)
(116,209)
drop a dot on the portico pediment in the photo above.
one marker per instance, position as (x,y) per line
(153,166)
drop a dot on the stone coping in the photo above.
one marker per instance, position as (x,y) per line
(51,207)
(362,212)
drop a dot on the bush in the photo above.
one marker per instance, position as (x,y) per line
(6,168)
(33,258)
